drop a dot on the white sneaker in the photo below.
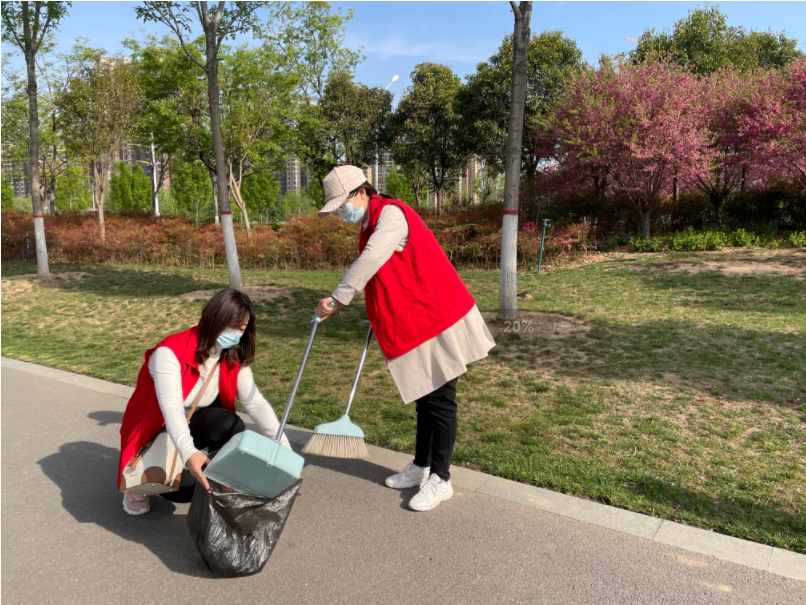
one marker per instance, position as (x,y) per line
(410,476)
(431,494)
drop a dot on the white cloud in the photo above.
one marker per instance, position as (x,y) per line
(396,45)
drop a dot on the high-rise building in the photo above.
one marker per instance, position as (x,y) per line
(294,178)
(463,188)
(385,165)
(15,174)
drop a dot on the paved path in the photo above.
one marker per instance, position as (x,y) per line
(65,538)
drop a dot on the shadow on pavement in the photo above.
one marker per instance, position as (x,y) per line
(85,473)
(362,469)
(106,418)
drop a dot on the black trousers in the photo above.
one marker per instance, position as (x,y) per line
(436,429)
(211,427)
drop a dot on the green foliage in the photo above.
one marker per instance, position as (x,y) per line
(798,239)
(703,42)
(168,205)
(355,118)
(293,204)
(27,26)
(73,192)
(260,193)
(424,127)
(742,239)
(310,36)
(23,203)
(553,60)
(691,240)
(654,244)
(7,195)
(400,188)
(191,188)
(130,188)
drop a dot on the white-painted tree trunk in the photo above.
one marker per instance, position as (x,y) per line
(507,299)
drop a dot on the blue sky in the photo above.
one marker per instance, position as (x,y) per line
(396,36)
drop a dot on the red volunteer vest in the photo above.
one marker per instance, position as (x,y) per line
(143,416)
(417,293)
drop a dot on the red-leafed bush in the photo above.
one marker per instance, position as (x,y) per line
(471,239)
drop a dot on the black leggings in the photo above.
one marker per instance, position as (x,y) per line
(211,428)
(436,429)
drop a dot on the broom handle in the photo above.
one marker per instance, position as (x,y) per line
(315,321)
(358,373)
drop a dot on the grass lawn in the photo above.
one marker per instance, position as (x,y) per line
(668,384)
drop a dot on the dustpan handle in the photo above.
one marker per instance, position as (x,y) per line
(358,373)
(315,321)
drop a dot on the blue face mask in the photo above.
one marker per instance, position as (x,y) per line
(229,338)
(350,214)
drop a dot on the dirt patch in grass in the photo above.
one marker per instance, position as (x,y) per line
(256,293)
(18,285)
(740,268)
(67,276)
(550,326)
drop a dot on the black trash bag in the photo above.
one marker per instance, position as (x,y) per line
(235,534)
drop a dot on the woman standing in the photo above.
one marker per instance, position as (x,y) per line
(424,318)
(173,374)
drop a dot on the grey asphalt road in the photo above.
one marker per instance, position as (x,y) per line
(349,539)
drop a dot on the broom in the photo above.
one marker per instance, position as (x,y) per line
(342,438)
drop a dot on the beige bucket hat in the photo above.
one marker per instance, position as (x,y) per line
(337,186)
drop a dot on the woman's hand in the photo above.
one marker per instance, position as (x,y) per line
(324,310)
(195,464)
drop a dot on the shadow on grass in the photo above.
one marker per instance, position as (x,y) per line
(710,358)
(90,497)
(770,294)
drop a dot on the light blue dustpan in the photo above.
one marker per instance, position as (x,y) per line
(254,464)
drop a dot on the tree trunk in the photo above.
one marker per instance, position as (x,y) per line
(675,188)
(236,192)
(42,268)
(744,179)
(155,200)
(718,202)
(646,223)
(101,221)
(507,300)
(215,196)
(439,201)
(233,268)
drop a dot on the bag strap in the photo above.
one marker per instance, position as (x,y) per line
(203,389)
(169,479)
(149,443)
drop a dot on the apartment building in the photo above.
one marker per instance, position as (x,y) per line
(462,188)
(294,178)
(15,174)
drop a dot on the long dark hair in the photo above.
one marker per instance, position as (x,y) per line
(227,309)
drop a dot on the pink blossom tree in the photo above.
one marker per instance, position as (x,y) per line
(635,129)
(773,121)
(719,107)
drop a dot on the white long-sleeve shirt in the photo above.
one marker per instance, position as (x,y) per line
(444,357)
(166,371)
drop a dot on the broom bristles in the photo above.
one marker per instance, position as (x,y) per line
(336,446)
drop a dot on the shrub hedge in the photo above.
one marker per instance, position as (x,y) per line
(471,239)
